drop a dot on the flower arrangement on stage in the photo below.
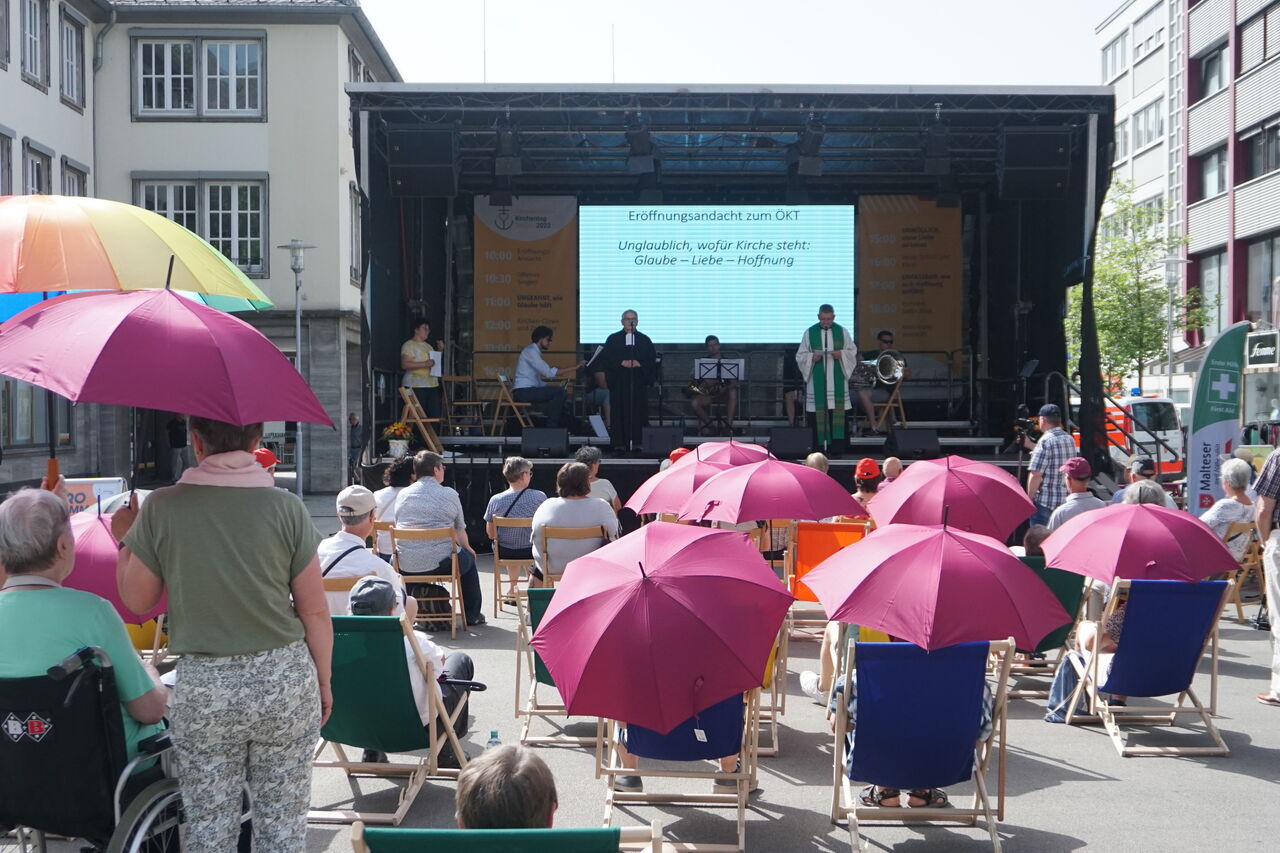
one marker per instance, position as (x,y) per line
(398,431)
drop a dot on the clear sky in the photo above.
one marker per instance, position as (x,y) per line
(978,42)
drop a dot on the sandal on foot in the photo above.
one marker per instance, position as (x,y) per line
(1268,699)
(933,798)
(873,796)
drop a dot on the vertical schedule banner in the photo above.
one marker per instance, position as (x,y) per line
(909,275)
(526,275)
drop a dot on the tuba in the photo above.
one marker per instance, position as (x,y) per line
(890,367)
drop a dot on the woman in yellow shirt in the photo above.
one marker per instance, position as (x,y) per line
(417,357)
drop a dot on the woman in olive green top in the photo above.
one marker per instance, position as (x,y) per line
(249,617)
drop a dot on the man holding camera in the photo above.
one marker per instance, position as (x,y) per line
(1048,455)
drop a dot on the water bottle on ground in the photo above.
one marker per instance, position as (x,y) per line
(494,740)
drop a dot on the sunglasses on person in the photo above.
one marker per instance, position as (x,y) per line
(887,341)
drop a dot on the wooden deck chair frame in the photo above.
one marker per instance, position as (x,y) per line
(463,414)
(642,839)
(1047,667)
(550,578)
(453,580)
(811,621)
(528,704)
(1250,563)
(413,414)
(609,765)
(847,808)
(380,527)
(506,404)
(439,732)
(881,411)
(773,696)
(1100,709)
(502,564)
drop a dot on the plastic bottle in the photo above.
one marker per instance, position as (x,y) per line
(493,739)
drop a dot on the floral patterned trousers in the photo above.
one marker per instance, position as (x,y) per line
(253,717)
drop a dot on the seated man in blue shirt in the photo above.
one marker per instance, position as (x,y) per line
(532,373)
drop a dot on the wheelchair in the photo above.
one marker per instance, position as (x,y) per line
(63,766)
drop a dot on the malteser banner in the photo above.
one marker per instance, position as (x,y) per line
(526,275)
(909,276)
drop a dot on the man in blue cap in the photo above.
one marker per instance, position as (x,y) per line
(1048,455)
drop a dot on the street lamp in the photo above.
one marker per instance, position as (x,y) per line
(1171,282)
(297,263)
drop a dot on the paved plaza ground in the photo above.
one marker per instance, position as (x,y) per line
(1067,787)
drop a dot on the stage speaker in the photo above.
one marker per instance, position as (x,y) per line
(660,441)
(913,444)
(423,163)
(1034,162)
(790,442)
(542,442)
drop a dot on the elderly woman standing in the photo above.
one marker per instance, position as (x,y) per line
(41,622)
(1235,507)
(238,560)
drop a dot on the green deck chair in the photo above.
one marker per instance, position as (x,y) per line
(598,840)
(374,708)
(1069,589)
(532,674)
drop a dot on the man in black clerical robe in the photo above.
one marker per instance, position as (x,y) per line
(629,361)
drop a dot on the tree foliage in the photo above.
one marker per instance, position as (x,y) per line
(1131,298)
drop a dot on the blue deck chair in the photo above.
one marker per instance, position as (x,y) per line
(727,728)
(552,840)
(1167,627)
(919,718)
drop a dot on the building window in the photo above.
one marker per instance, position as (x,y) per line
(24,416)
(184,77)
(233,222)
(37,172)
(1213,72)
(1149,214)
(1148,33)
(1122,139)
(355,67)
(1148,125)
(1113,57)
(4,34)
(1215,291)
(1213,173)
(231,215)
(74,181)
(357,249)
(233,77)
(1264,280)
(1263,149)
(6,165)
(1260,38)
(35,41)
(176,201)
(71,37)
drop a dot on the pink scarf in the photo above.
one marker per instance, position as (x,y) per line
(236,468)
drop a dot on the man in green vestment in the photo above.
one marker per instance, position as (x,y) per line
(826,359)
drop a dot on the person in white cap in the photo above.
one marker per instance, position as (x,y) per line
(345,554)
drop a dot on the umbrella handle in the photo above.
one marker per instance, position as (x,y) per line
(51,473)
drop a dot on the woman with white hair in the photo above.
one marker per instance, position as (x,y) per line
(1235,507)
(42,622)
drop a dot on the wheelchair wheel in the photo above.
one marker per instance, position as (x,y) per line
(150,823)
(21,840)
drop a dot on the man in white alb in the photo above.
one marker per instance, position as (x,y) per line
(826,358)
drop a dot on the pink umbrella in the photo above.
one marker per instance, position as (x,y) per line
(769,489)
(725,452)
(667,491)
(974,496)
(660,624)
(1139,542)
(95,569)
(936,586)
(154,349)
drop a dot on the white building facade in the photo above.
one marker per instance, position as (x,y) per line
(230,118)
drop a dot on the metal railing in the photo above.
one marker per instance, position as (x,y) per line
(1068,388)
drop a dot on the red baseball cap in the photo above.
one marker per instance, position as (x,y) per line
(675,455)
(265,457)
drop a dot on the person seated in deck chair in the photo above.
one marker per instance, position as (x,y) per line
(344,554)
(891,798)
(507,787)
(373,596)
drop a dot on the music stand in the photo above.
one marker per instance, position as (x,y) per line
(719,369)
